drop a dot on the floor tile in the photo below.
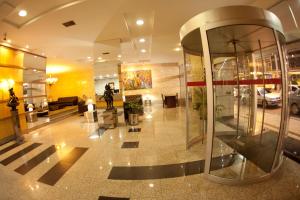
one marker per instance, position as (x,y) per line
(130,145)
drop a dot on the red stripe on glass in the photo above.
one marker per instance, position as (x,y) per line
(234,82)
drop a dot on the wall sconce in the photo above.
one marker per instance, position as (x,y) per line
(7,84)
(51,80)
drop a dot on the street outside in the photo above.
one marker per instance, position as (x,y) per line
(272,119)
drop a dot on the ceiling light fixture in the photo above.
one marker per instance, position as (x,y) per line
(143,50)
(99,58)
(177,49)
(51,80)
(9,41)
(139,22)
(119,56)
(142,40)
(27,46)
(22,13)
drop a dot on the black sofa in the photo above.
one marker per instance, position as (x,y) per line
(63,102)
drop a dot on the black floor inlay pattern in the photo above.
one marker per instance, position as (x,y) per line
(58,170)
(292,149)
(130,145)
(134,130)
(20,153)
(112,198)
(10,148)
(29,165)
(261,154)
(168,171)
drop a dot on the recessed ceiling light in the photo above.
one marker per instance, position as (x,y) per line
(100,77)
(34,70)
(9,41)
(107,75)
(99,58)
(177,49)
(143,50)
(115,75)
(119,56)
(89,57)
(22,13)
(27,46)
(142,40)
(139,22)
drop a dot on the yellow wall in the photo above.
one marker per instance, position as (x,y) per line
(10,58)
(74,79)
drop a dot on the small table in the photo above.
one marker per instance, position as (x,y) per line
(110,118)
(31,116)
(42,113)
(91,117)
(170,101)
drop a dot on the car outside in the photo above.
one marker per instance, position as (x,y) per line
(271,98)
(295,102)
(293,88)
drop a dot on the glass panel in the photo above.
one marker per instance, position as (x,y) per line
(285,95)
(196,88)
(247,83)
(196,109)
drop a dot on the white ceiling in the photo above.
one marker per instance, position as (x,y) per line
(105,26)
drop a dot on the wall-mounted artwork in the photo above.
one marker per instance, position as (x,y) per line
(134,80)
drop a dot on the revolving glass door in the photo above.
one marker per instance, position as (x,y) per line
(247,82)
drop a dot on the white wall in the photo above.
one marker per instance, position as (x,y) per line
(165,80)
(100,84)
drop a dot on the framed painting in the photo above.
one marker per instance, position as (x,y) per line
(135,80)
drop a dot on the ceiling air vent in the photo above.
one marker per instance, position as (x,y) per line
(69,23)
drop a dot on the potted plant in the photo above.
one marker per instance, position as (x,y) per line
(133,109)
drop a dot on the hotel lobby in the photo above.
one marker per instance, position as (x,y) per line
(144,100)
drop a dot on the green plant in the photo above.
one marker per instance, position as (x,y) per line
(133,107)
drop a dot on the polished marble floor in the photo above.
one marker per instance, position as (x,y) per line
(73,159)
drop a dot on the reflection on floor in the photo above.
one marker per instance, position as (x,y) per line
(41,121)
(161,143)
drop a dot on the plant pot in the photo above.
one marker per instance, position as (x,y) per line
(133,119)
